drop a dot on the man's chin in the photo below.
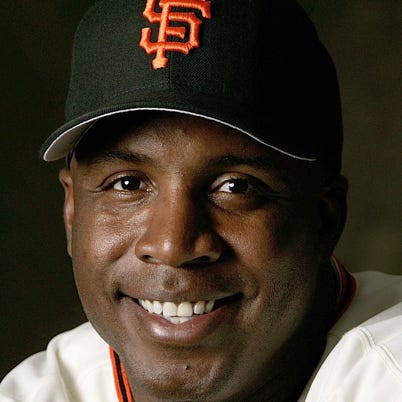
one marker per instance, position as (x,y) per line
(179,381)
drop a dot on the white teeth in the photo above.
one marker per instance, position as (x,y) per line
(169,309)
(199,307)
(209,306)
(158,308)
(185,309)
(178,313)
(149,306)
(178,320)
(174,320)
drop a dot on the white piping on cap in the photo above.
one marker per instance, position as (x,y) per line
(56,150)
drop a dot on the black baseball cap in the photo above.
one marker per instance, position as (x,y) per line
(254,65)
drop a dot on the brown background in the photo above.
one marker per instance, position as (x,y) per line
(37,297)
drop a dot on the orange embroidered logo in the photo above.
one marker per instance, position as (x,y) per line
(165,17)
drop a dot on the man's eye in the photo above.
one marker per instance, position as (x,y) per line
(239,193)
(238,186)
(128,183)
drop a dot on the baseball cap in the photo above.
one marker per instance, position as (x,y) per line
(255,65)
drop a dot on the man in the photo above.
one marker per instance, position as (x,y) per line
(203,202)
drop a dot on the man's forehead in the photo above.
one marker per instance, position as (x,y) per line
(139,133)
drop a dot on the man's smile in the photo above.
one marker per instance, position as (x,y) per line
(178,313)
(181,321)
(181,312)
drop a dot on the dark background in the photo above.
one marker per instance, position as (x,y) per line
(38,297)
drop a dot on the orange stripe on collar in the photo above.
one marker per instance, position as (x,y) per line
(122,386)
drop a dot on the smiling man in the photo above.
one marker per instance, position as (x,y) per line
(203,201)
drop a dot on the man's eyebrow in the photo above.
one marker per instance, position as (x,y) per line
(111,156)
(262,163)
(268,165)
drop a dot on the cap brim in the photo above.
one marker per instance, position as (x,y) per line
(66,138)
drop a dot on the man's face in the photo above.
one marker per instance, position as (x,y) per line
(195,255)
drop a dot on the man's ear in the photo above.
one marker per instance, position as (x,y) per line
(68,209)
(333,212)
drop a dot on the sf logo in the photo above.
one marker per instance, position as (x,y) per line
(164,18)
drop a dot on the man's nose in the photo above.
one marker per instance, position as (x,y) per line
(179,232)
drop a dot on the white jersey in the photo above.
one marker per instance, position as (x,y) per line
(362,361)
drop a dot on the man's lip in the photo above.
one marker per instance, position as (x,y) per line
(191,332)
